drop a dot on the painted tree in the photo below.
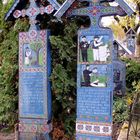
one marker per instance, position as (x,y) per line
(36,47)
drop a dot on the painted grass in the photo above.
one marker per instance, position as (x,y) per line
(90,55)
(102,79)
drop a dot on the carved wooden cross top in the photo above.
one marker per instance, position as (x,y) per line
(33,11)
(96,11)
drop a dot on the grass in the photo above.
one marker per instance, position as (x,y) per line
(41,59)
(102,79)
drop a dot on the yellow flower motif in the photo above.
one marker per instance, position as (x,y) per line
(125,126)
(129,101)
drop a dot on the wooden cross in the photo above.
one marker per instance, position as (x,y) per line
(95,11)
(32,12)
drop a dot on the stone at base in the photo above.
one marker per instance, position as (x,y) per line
(33,136)
(34,131)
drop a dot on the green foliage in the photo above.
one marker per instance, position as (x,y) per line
(120,110)
(64,54)
(63,73)
(132,73)
(9,68)
(121,106)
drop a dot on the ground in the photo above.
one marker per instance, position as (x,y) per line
(7,136)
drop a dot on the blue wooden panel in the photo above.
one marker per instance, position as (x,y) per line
(32,94)
(95,84)
(34,71)
(94,105)
(35,105)
(96,63)
(48,77)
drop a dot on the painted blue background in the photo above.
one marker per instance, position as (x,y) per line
(35,90)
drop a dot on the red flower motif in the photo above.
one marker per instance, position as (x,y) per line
(95,11)
(95,1)
(32,11)
(17,14)
(96,118)
(34,128)
(106,118)
(45,128)
(49,9)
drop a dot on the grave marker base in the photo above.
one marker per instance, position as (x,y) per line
(34,85)
(90,137)
(33,136)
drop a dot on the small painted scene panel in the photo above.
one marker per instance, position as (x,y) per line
(33,55)
(94,49)
(94,76)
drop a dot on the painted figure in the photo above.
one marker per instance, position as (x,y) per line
(84,47)
(100,50)
(87,74)
(93,77)
(28,56)
(95,46)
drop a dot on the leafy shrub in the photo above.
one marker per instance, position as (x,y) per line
(132,73)
(9,68)
(64,52)
(121,106)
(120,110)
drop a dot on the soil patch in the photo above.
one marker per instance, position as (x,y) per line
(7,136)
(116,130)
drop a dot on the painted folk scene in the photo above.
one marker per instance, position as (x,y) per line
(94,49)
(70,70)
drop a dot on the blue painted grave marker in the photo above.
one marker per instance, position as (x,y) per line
(131,40)
(34,71)
(95,67)
(119,71)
